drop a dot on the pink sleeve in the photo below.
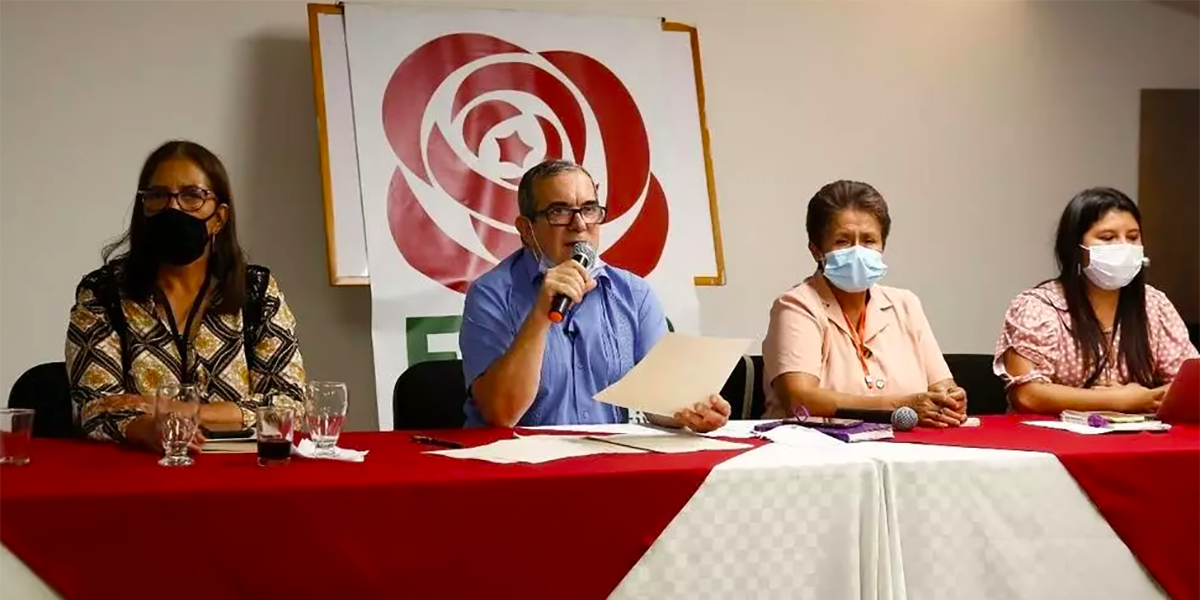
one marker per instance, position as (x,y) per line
(1031,329)
(1169,341)
(928,350)
(793,342)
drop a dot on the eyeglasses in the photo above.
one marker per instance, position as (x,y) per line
(561,215)
(191,198)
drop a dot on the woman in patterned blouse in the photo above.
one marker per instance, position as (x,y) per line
(179,304)
(1096,337)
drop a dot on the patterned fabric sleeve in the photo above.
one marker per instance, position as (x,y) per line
(1032,330)
(1170,345)
(277,368)
(93,355)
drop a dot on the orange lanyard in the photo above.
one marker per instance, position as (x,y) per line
(856,336)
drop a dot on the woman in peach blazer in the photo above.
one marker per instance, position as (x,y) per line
(841,341)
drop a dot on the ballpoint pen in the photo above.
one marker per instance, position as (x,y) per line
(429,441)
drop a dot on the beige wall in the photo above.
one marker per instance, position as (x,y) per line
(977,120)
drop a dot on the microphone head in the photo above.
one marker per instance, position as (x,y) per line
(904,418)
(584,254)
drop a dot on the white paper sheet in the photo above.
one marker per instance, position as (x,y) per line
(537,449)
(671,443)
(1089,430)
(307,449)
(632,428)
(800,437)
(738,429)
(680,371)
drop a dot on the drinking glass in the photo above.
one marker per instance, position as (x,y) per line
(177,417)
(274,435)
(326,410)
(16,429)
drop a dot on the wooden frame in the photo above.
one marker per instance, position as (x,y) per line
(314,12)
(718,249)
(314,34)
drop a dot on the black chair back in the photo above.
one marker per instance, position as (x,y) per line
(430,395)
(744,389)
(758,397)
(736,391)
(985,391)
(46,389)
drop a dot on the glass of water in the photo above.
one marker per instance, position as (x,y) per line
(325,409)
(177,417)
(16,429)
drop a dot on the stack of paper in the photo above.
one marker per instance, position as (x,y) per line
(537,449)
(229,447)
(670,443)
(544,448)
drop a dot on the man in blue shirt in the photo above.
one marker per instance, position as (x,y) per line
(523,369)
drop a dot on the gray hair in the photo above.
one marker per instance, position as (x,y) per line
(526,203)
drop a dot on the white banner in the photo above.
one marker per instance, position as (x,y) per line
(452,107)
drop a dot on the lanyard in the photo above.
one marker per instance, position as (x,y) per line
(181,339)
(856,336)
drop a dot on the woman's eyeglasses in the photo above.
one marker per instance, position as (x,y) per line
(191,198)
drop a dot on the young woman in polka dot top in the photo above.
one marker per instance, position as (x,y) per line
(1096,337)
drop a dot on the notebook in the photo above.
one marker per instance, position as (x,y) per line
(864,432)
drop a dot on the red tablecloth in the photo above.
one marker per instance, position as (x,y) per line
(1146,485)
(97,521)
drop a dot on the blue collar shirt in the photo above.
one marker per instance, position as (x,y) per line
(598,341)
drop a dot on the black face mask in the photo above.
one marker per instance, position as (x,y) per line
(177,238)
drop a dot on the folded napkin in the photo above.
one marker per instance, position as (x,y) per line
(308,449)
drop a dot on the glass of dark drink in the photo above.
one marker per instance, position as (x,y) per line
(16,429)
(274,435)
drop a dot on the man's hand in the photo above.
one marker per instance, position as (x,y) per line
(705,416)
(569,279)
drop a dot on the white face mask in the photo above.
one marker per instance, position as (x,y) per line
(1113,266)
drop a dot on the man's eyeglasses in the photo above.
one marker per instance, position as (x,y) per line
(562,215)
(191,198)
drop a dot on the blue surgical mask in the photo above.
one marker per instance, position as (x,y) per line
(854,269)
(544,262)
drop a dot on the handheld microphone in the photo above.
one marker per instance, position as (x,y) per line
(903,418)
(585,255)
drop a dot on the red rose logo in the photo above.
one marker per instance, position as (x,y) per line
(467,113)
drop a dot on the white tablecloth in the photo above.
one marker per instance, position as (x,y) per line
(966,523)
(878,521)
(17,582)
(774,522)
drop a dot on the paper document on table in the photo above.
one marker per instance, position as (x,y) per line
(537,449)
(738,429)
(800,437)
(1089,430)
(670,443)
(597,428)
(679,371)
